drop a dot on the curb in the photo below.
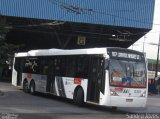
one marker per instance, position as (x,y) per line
(154,95)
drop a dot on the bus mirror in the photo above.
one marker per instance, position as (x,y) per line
(106,65)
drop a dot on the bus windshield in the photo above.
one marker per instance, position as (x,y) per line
(127,73)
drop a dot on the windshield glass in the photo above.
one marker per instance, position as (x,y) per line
(127,73)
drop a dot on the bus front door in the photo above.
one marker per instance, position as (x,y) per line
(93,91)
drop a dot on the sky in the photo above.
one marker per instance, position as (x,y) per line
(150,40)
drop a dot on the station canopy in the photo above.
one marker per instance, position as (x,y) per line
(69,24)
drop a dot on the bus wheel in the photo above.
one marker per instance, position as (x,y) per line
(79,97)
(25,86)
(32,87)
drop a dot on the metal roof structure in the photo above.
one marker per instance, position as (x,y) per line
(126,13)
(62,22)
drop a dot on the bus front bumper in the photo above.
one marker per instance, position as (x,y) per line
(128,101)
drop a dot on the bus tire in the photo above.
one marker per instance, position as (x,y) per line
(79,97)
(32,87)
(25,86)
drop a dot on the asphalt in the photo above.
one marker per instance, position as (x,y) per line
(1,93)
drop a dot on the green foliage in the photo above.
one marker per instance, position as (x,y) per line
(3,32)
(153,61)
(6,50)
(3,29)
(7,53)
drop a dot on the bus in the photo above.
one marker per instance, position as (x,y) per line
(114,77)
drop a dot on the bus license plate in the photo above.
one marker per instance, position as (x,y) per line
(129,100)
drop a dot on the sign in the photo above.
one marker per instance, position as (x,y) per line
(119,53)
(81,40)
(125,55)
(77,81)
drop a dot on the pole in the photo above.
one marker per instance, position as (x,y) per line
(156,72)
(144,42)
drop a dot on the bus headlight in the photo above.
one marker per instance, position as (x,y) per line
(113,93)
(143,94)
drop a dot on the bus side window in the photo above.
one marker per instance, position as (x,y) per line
(26,67)
(31,66)
(45,69)
(59,64)
(82,66)
(44,65)
(106,65)
(70,66)
(63,65)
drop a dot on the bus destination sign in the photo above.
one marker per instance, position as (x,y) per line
(125,54)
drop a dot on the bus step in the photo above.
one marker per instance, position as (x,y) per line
(92,102)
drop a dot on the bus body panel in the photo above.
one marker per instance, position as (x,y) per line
(131,97)
(126,97)
(104,98)
(14,77)
(39,80)
(127,102)
(64,86)
(14,74)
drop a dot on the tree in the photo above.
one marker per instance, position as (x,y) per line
(3,32)
(7,50)
(3,29)
(3,45)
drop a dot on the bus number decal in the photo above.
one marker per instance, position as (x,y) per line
(77,81)
(137,91)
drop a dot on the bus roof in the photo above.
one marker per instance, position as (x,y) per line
(50,52)
(21,54)
(54,52)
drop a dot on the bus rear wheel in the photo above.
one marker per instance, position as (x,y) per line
(79,97)
(32,87)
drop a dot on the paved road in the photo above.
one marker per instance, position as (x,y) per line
(17,104)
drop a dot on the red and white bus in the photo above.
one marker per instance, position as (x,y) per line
(113,77)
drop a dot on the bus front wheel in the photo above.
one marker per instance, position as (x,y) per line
(79,97)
